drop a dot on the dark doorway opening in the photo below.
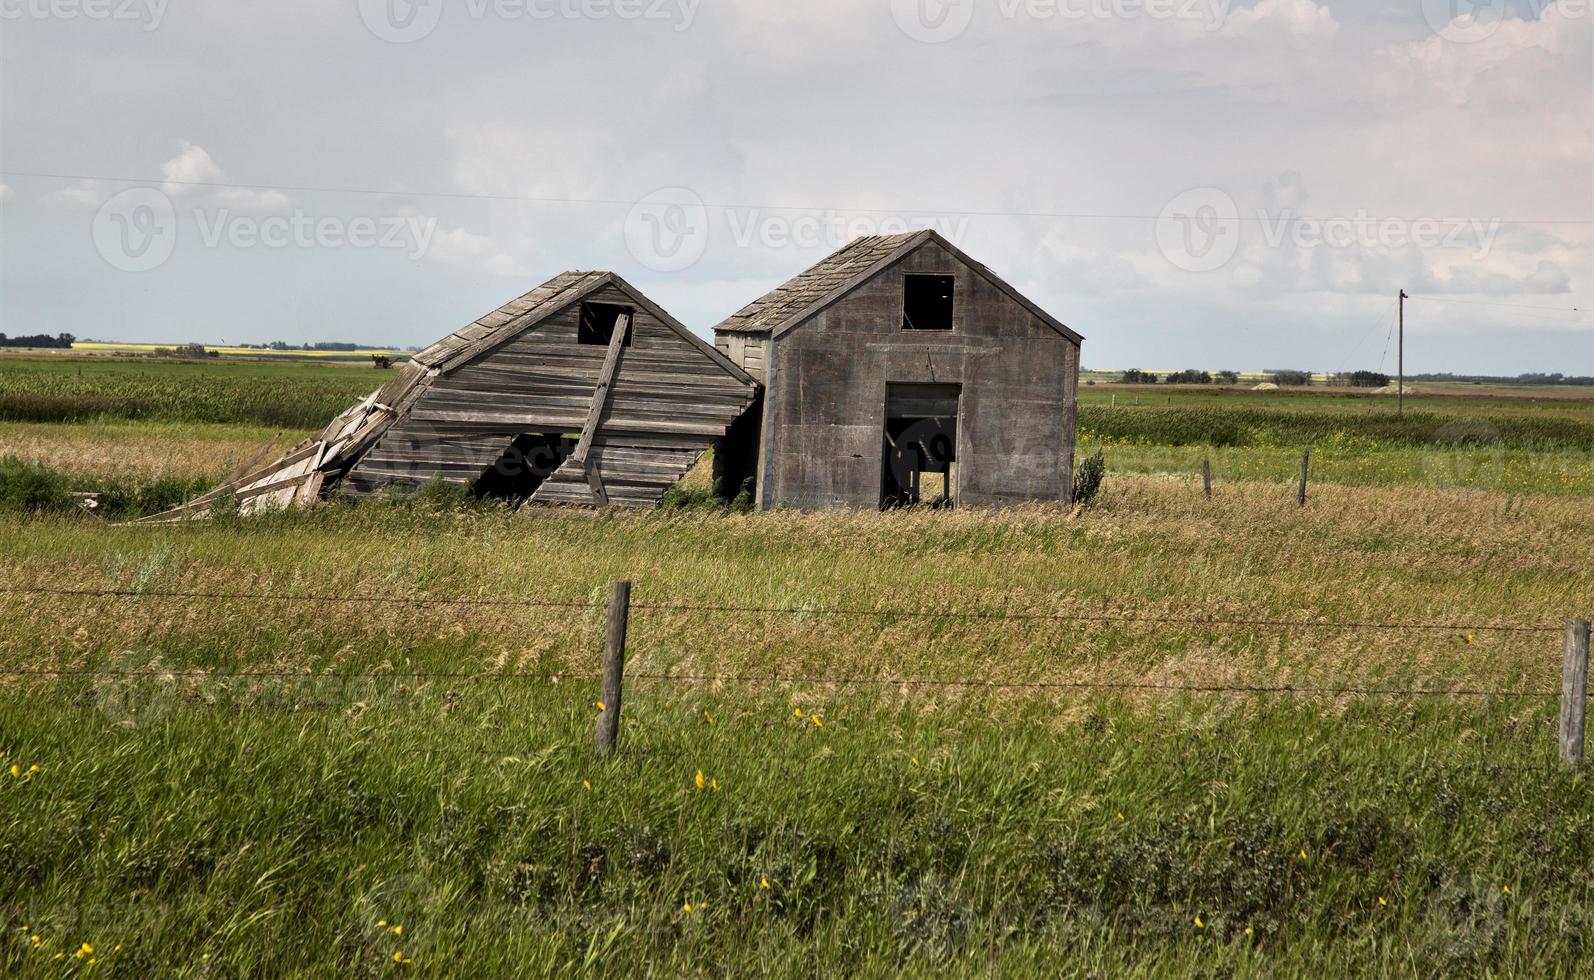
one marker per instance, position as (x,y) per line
(919,465)
(522,467)
(927,302)
(597,323)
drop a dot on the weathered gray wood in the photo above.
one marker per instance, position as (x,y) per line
(1206,477)
(613,665)
(1574,690)
(600,397)
(1300,493)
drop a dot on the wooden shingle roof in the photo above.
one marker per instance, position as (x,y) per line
(834,276)
(511,318)
(840,269)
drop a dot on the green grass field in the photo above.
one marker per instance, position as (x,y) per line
(826,767)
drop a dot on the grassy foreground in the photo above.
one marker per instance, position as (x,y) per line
(331,808)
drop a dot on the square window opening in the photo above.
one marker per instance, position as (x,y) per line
(598,322)
(927,302)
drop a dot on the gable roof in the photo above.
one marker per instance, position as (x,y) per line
(833,277)
(529,309)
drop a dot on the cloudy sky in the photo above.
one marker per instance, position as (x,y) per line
(1151,171)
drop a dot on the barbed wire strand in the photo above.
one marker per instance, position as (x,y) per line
(1019,615)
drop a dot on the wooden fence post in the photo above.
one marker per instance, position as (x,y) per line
(1300,493)
(613,665)
(1574,690)
(1206,477)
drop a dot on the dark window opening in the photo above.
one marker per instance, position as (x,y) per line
(597,323)
(920,446)
(522,468)
(927,302)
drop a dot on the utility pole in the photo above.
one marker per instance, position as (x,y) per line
(1400,360)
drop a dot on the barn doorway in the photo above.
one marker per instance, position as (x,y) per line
(919,451)
(530,459)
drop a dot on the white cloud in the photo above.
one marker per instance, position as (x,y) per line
(192,169)
(78,194)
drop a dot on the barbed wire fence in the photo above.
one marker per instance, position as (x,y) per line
(612,675)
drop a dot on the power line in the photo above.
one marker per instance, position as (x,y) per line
(627,203)
(1503,305)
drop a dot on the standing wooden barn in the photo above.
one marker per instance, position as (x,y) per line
(900,371)
(581,391)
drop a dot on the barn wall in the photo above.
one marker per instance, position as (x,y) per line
(669,402)
(825,398)
(745,350)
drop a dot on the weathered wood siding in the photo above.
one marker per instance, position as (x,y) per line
(668,404)
(746,351)
(825,393)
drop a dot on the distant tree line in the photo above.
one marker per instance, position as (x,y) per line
(60,340)
(1279,376)
(1522,379)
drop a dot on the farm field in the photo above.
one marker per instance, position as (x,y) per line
(1163,735)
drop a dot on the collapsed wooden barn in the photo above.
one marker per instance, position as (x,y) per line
(899,371)
(581,391)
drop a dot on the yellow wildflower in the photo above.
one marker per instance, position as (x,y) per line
(1507,889)
(586,784)
(399,957)
(1248,930)
(1381,900)
(1120,815)
(714,784)
(382,924)
(600,705)
(698,779)
(914,760)
(16,770)
(398,930)
(1303,854)
(84,950)
(686,908)
(1199,924)
(709,717)
(1469,637)
(816,721)
(795,713)
(763,884)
